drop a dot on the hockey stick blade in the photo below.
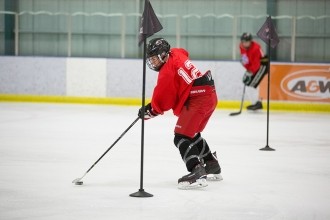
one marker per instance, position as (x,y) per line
(76,180)
(79,179)
(234,113)
(241,107)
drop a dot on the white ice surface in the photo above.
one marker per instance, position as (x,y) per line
(43,147)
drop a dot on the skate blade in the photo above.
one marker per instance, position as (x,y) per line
(214,177)
(200,183)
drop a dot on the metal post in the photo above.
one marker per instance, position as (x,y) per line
(141,192)
(234,37)
(178,34)
(69,29)
(11,7)
(123,30)
(267,148)
(16,34)
(293,38)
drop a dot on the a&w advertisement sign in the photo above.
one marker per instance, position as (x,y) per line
(311,84)
(299,82)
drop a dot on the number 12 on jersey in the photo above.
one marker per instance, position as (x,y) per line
(194,72)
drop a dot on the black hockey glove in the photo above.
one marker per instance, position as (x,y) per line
(247,78)
(264,60)
(148,112)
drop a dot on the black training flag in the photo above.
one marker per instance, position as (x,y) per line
(149,22)
(268,34)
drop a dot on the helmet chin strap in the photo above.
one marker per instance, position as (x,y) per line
(161,59)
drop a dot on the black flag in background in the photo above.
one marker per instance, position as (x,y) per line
(149,23)
(268,34)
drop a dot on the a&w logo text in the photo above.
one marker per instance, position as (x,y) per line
(311,84)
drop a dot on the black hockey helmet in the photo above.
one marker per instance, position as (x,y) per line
(246,37)
(157,47)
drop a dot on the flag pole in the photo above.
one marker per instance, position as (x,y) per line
(141,192)
(267,148)
(149,26)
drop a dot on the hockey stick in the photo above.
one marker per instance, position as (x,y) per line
(78,180)
(242,102)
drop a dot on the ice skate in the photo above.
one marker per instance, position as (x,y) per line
(193,180)
(213,169)
(256,106)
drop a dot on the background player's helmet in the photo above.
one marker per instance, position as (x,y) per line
(246,37)
(157,47)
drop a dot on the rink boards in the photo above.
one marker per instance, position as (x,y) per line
(294,87)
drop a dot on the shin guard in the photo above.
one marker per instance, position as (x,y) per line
(203,148)
(189,152)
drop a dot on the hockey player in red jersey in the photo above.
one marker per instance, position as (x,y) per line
(254,61)
(192,97)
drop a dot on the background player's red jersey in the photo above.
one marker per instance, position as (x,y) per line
(250,57)
(174,83)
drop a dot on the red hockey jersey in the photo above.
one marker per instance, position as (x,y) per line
(250,57)
(174,82)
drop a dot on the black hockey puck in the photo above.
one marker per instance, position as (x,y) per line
(79,183)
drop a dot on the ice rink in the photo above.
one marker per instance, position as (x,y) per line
(43,147)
